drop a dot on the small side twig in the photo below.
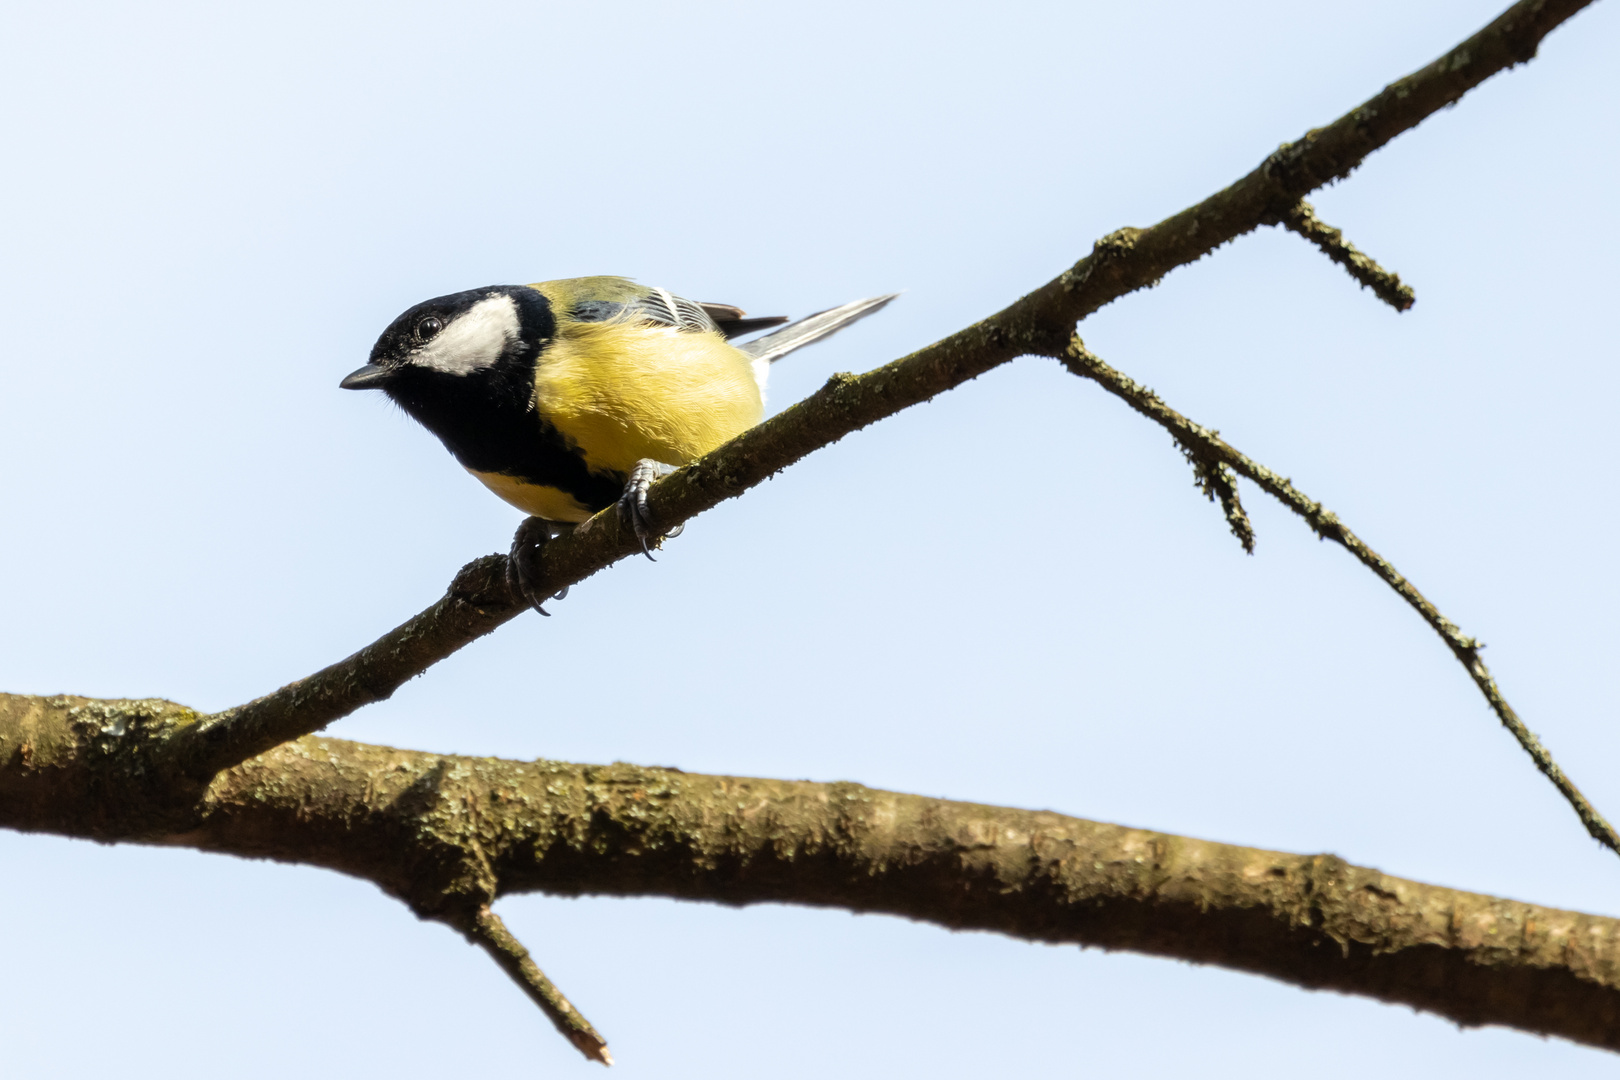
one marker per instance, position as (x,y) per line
(1301,218)
(1081,361)
(1219,484)
(485,929)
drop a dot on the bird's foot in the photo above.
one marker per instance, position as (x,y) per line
(633,505)
(523,562)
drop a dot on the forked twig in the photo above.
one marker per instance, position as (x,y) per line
(1326,525)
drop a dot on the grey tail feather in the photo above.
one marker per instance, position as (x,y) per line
(812,328)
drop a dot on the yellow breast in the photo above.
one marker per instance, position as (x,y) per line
(540,500)
(622,391)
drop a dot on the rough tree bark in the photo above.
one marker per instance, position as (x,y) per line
(448,835)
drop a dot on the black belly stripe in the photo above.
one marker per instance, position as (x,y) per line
(536,452)
(491,436)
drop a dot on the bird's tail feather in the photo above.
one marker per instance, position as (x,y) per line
(810,329)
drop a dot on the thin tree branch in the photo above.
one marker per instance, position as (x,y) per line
(1219,485)
(435,829)
(485,929)
(1302,219)
(1040,322)
(1326,525)
(477,603)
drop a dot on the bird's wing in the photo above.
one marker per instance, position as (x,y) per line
(606,299)
(667,309)
(603,299)
(730,319)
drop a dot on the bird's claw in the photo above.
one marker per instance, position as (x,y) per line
(633,505)
(523,562)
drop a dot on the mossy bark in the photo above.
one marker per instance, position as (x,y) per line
(448,834)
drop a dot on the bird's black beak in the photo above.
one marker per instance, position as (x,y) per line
(370,377)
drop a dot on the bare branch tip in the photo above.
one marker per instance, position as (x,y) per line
(596,1051)
(486,929)
(1301,219)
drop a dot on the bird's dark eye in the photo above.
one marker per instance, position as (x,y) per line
(428,327)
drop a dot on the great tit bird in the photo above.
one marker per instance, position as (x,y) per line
(567,397)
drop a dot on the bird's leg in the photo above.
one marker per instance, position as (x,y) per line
(523,562)
(633,504)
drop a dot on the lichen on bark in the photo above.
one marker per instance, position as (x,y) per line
(448,835)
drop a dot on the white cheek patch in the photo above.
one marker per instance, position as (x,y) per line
(474,340)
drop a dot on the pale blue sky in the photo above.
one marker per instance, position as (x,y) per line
(1011,595)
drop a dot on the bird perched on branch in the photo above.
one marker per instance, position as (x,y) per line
(567,397)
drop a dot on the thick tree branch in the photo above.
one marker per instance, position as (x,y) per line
(1327,526)
(1041,322)
(446,833)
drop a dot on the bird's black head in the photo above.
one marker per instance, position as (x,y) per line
(444,352)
